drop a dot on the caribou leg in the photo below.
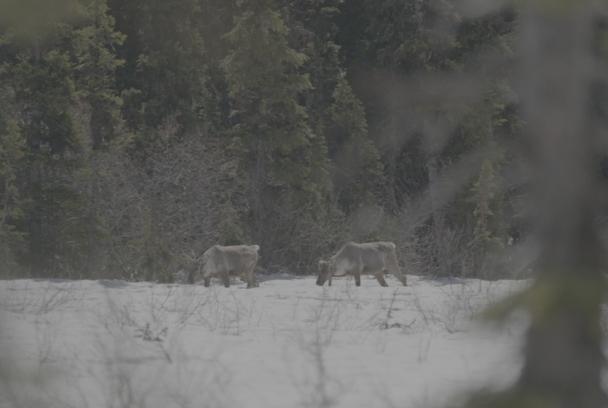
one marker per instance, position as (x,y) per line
(380,279)
(225,279)
(393,268)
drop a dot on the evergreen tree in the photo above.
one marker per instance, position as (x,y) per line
(217,19)
(312,32)
(334,110)
(357,172)
(485,49)
(401,53)
(40,72)
(485,244)
(11,155)
(434,98)
(229,228)
(164,70)
(96,63)
(284,159)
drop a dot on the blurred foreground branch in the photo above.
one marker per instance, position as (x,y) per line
(563,358)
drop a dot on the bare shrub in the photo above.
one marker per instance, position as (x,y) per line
(25,385)
(119,314)
(38,299)
(320,393)
(419,251)
(461,304)
(47,332)
(317,388)
(325,318)
(225,313)
(299,232)
(187,302)
(163,199)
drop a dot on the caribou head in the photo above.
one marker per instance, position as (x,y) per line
(193,265)
(326,271)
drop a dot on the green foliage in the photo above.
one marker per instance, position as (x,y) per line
(400,34)
(95,65)
(478,207)
(43,94)
(357,171)
(285,161)
(229,228)
(323,109)
(11,154)
(164,53)
(312,32)
(154,257)
(486,199)
(44,89)
(263,86)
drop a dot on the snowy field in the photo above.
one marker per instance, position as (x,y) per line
(287,343)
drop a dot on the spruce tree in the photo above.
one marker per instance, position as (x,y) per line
(284,160)
(356,169)
(229,229)
(334,110)
(94,48)
(40,71)
(164,71)
(11,163)
(312,32)
(436,98)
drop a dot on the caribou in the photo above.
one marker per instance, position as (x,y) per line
(225,262)
(193,266)
(371,258)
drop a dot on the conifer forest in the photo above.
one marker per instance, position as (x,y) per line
(135,132)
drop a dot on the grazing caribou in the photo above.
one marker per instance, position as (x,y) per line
(193,266)
(224,262)
(372,258)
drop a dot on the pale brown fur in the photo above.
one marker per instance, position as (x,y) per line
(225,262)
(371,258)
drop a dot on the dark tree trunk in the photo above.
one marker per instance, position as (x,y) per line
(563,357)
(256,191)
(35,220)
(92,258)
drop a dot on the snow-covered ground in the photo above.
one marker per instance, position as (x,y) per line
(288,343)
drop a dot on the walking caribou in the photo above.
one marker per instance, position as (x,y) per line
(225,262)
(371,258)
